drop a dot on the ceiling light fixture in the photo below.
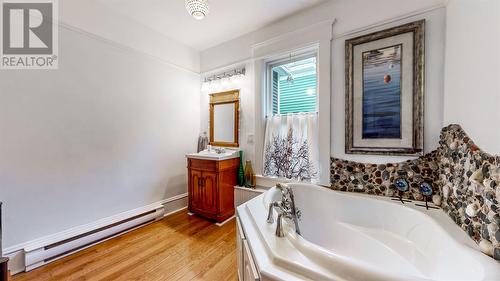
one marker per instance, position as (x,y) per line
(237,72)
(197,8)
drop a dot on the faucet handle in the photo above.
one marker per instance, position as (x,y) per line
(272,205)
(402,185)
(281,186)
(426,190)
(298,214)
(270,217)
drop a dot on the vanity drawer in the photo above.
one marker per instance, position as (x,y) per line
(205,165)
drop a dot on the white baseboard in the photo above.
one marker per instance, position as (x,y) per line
(224,222)
(176,205)
(16,253)
(175,211)
(16,262)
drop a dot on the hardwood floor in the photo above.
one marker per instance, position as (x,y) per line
(179,247)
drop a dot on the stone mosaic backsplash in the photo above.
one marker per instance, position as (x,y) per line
(465,181)
(379,179)
(469,180)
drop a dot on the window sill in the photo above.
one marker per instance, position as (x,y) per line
(269,182)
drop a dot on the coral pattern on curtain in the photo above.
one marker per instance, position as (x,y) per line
(291,147)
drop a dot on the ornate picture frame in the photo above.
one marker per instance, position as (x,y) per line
(384,84)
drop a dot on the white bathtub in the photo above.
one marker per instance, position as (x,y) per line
(348,236)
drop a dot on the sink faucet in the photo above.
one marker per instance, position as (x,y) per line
(286,209)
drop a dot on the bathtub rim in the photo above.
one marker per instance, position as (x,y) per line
(274,261)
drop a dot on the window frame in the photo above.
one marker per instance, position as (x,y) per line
(269,79)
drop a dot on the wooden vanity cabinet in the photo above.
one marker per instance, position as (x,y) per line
(211,187)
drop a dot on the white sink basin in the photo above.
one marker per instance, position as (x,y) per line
(212,155)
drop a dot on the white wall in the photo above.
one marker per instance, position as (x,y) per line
(96,18)
(350,16)
(105,133)
(472,80)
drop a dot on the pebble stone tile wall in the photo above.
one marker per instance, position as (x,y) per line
(379,179)
(466,183)
(470,181)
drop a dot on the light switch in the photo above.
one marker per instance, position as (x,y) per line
(250,138)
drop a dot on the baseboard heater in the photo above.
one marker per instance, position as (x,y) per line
(38,255)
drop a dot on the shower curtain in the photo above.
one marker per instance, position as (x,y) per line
(291,147)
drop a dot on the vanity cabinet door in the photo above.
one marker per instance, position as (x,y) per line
(250,271)
(209,192)
(211,187)
(196,189)
(240,237)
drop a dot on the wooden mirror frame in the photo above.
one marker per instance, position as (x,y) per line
(232,96)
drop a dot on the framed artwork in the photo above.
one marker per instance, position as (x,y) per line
(385,91)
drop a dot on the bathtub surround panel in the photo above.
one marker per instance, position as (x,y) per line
(465,179)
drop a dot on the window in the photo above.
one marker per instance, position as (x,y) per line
(293,86)
(291,136)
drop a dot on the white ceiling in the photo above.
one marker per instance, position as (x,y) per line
(227,19)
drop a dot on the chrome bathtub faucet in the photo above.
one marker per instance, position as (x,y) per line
(285,208)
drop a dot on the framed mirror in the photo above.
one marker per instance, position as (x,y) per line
(224,118)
